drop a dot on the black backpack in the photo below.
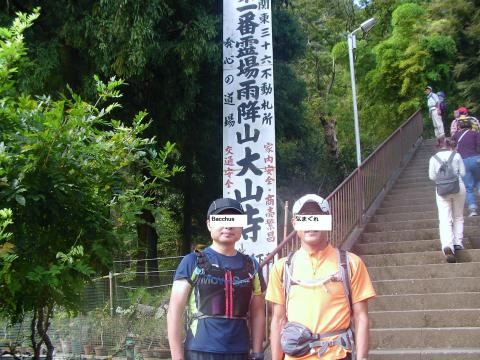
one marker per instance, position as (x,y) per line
(447,178)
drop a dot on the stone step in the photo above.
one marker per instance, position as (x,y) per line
(425,150)
(417,165)
(419,161)
(428,215)
(425,354)
(428,271)
(414,180)
(425,318)
(421,216)
(473,221)
(401,225)
(406,209)
(424,153)
(426,196)
(427,286)
(424,186)
(424,337)
(413,184)
(426,257)
(418,172)
(403,302)
(396,247)
(421,157)
(408,202)
(422,176)
(401,235)
(418,190)
(412,235)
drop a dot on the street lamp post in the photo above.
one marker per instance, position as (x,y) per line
(352,44)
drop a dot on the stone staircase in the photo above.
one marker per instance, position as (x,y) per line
(426,309)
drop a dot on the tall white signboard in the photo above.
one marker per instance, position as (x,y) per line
(249,121)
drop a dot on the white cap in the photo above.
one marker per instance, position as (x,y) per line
(321,202)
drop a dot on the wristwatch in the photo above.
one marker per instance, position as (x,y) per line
(257,356)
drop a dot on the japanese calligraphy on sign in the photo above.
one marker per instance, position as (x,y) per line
(249,161)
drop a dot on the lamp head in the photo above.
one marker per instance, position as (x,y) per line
(367,25)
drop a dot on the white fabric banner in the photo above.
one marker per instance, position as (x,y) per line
(249,121)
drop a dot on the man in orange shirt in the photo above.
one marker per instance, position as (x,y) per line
(316,301)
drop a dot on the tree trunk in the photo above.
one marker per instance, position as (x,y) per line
(45,336)
(141,254)
(35,346)
(39,326)
(330,133)
(149,239)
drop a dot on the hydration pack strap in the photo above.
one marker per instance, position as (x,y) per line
(287,271)
(228,294)
(204,266)
(344,339)
(199,315)
(345,274)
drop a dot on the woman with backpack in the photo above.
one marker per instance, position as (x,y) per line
(446,168)
(468,146)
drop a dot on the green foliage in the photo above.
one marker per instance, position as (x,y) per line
(75,179)
(5,221)
(145,297)
(460,20)
(167,227)
(328,122)
(7,253)
(12,48)
(406,61)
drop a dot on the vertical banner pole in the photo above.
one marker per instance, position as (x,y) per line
(249,158)
(285,221)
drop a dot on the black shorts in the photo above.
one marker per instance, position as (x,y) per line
(200,355)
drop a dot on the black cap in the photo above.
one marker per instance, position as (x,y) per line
(222,204)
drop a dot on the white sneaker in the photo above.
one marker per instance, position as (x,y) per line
(473,212)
